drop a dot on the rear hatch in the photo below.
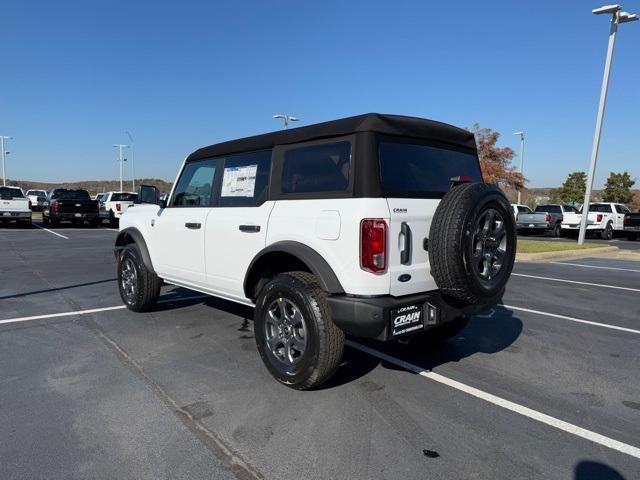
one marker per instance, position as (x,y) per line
(415,176)
(526,219)
(13,200)
(74,201)
(124,200)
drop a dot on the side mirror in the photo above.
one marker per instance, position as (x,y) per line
(149,194)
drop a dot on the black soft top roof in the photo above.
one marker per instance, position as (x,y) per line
(370,122)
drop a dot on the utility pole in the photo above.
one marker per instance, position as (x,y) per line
(617,17)
(4,176)
(521,159)
(133,165)
(121,159)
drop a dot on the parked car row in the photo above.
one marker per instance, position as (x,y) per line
(603,218)
(14,206)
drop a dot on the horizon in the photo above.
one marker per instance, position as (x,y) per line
(76,79)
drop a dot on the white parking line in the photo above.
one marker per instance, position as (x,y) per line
(50,231)
(596,266)
(92,310)
(506,404)
(572,319)
(575,281)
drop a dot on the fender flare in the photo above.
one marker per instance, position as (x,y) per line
(312,259)
(137,237)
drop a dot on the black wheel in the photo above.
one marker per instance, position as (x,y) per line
(632,236)
(45,220)
(139,288)
(557,230)
(297,340)
(607,233)
(113,221)
(93,223)
(441,333)
(472,243)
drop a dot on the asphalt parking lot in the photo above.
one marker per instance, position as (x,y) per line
(546,386)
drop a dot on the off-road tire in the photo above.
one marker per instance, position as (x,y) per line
(325,341)
(147,283)
(450,243)
(607,233)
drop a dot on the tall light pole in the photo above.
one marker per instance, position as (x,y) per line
(617,17)
(286,118)
(2,139)
(521,159)
(121,159)
(133,165)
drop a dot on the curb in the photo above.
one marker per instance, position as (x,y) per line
(565,254)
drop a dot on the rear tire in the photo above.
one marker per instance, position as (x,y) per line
(557,231)
(632,236)
(607,233)
(93,223)
(113,221)
(45,220)
(296,338)
(139,288)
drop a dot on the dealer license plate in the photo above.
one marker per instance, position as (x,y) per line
(78,215)
(407,319)
(6,214)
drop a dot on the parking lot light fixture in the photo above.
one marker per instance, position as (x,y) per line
(121,159)
(4,153)
(617,16)
(133,165)
(286,118)
(521,159)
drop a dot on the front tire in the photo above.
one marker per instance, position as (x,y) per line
(296,338)
(139,288)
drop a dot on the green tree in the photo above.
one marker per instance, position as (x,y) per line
(572,190)
(618,188)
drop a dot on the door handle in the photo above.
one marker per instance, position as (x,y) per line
(192,225)
(249,228)
(405,254)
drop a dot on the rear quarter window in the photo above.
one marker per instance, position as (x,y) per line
(408,169)
(317,168)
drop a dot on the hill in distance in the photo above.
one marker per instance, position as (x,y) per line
(93,186)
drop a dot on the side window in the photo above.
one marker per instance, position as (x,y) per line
(245,179)
(622,209)
(318,168)
(194,186)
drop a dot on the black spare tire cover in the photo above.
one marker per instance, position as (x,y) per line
(472,243)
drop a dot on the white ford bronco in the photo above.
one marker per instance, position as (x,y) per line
(374,226)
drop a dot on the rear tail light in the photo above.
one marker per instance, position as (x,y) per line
(118,207)
(373,245)
(627,219)
(547,218)
(55,206)
(599,218)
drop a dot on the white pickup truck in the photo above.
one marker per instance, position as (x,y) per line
(14,206)
(114,204)
(603,218)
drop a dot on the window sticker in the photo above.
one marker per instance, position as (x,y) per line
(239,181)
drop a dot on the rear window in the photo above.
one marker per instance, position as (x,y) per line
(522,209)
(6,192)
(423,171)
(318,168)
(548,208)
(600,207)
(71,195)
(124,197)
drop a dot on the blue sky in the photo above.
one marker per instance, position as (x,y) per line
(180,75)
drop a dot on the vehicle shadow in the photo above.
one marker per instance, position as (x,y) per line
(589,470)
(57,289)
(489,333)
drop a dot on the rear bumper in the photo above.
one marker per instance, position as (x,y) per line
(370,317)
(15,215)
(533,226)
(592,226)
(72,216)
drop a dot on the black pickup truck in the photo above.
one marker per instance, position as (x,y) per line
(74,206)
(632,225)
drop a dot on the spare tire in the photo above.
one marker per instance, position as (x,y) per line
(472,243)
